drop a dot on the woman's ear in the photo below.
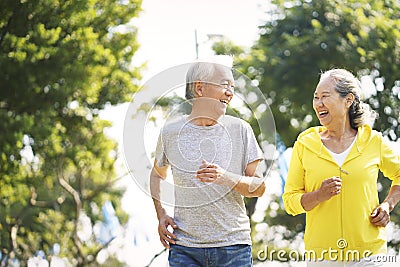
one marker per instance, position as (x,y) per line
(349,100)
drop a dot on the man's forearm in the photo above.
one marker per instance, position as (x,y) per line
(248,186)
(155,182)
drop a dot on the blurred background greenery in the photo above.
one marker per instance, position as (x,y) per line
(62,62)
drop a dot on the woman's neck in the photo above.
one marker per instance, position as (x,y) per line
(339,133)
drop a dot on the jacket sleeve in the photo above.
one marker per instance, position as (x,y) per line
(390,163)
(294,187)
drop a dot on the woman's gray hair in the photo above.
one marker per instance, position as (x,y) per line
(204,71)
(345,83)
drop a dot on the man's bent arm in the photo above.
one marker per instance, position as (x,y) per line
(250,185)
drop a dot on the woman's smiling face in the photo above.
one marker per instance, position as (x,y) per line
(328,105)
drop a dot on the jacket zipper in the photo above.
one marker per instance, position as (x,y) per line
(341,203)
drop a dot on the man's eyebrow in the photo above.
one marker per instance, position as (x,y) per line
(227,81)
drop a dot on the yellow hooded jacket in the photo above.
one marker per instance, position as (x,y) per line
(339,228)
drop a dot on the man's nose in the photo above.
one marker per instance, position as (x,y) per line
(229,92)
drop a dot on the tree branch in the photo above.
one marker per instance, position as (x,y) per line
(101,188)
(72,191)
(41,204)
(78,203)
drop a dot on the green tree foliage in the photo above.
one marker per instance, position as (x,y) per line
(61,62)
(303,38)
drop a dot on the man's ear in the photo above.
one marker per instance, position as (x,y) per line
(198,88)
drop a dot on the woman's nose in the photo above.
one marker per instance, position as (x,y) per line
(318,102)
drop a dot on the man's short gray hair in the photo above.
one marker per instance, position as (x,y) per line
(203,70)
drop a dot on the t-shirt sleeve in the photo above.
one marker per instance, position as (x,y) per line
(160,154)
(253,151)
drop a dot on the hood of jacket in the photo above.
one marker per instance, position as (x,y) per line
(310,138)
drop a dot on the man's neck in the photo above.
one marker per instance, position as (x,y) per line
(206,113)
(202,120)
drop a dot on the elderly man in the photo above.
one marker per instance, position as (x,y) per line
(214,160)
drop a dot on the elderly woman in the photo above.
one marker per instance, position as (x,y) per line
(333,178)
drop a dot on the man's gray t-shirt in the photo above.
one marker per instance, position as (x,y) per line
(208,214)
